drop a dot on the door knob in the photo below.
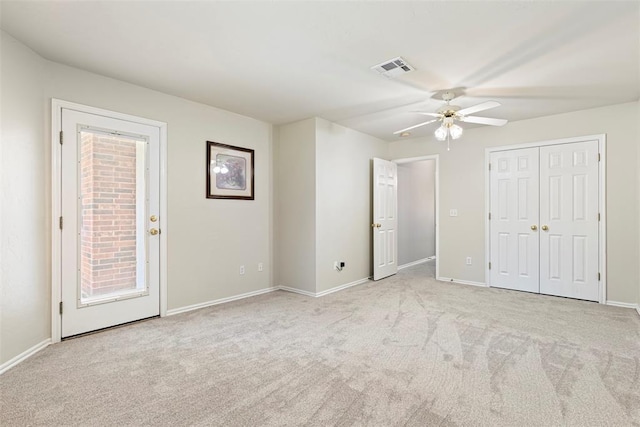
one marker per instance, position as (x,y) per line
(376,225)
(154,231)
(544,228)
(534,227)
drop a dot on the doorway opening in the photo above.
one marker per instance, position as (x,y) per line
(418,235)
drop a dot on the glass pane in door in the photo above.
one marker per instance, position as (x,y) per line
(112,216)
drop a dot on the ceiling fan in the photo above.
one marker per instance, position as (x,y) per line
(449,114)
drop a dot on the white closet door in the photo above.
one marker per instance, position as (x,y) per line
(514,219)
(569,220)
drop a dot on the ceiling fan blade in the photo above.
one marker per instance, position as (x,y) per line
(479,107)
(427,114)
(414,126)
(484,120)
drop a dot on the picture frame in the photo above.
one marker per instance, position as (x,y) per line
(230,172)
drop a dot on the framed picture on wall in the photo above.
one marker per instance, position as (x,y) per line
(229,172)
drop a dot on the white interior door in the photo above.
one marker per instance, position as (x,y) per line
(569,220)
(110,241)
(385,218)
(514,220)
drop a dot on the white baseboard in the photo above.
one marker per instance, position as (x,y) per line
(24,356)
(420,261)
(219,301)
(297,291)
(622,304)
(264,291)
(341,287)
(328,291)
(463,282)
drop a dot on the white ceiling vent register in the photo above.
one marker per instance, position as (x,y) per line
(393,67)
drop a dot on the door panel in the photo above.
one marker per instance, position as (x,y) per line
(514,208)
(385,220)
(569,212)
(110,190)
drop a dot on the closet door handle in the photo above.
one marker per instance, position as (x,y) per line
(544,228)
(534,227)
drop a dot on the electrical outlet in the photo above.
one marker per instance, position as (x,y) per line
(260,266)
(468,260)
(453,212)
(241,269)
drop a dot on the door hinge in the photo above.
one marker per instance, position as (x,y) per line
(61,137)
(598,156)
(598,277)
(489,266)
(489,215)
(60,307)
(489,166)
(61,223)
(598,216)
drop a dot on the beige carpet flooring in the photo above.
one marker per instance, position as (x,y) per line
(405,351)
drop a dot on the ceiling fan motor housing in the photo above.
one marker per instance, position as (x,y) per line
(448,110)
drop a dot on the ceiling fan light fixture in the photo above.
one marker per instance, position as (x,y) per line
(448,115)
(441,133)
(455,131)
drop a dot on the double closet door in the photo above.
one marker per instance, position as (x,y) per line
(544,213)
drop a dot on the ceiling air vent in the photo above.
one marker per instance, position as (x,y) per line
(393,67)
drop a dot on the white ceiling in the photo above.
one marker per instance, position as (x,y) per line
(282,61)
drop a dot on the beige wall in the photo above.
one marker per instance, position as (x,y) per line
(323,204)
(208,239)
(462,186)
(416,211)
(24,202)
(343,210)
(295,205)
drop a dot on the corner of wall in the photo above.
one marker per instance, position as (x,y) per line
(294,222)
(25,315)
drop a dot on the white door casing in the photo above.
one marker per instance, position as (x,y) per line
(569,220)
(514,220)
(80,315)
(385,218)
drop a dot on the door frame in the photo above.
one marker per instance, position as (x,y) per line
(436,158)
(57,106)
(602,228)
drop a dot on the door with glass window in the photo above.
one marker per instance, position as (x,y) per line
(110,224)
